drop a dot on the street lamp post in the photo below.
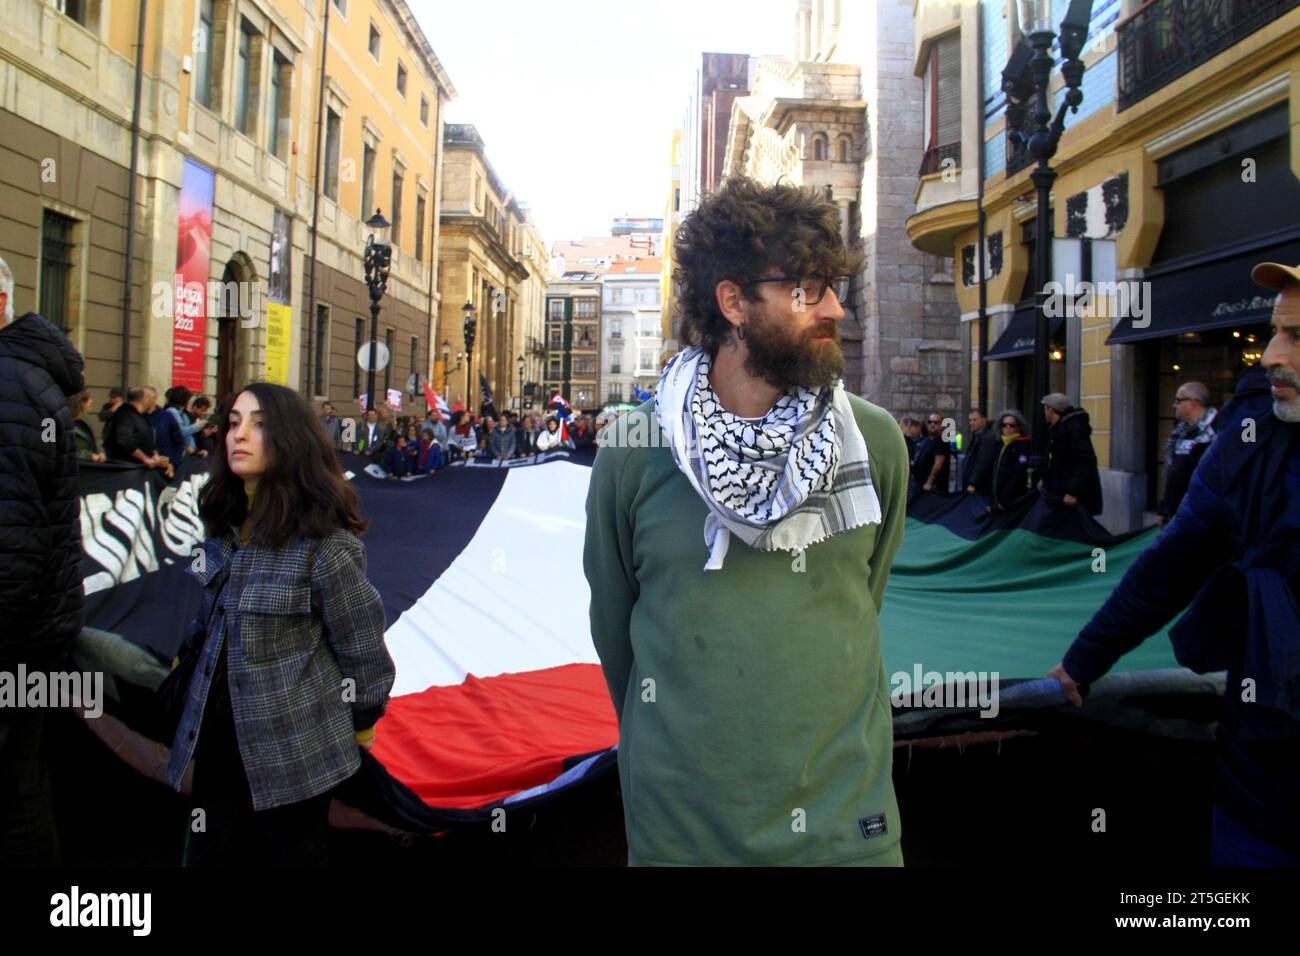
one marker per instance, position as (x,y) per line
(520,360)
(470,326)
(1033,125)
(448,368)
(379,255)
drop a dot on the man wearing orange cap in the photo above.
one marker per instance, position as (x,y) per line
(1231,556)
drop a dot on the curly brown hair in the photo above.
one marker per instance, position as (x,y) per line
(740,232)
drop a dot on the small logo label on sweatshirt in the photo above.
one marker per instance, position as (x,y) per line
(872,826)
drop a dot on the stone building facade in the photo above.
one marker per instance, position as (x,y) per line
(840,116)
(229,101)
(493,260)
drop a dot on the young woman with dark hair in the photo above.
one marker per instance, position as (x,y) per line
(292,673)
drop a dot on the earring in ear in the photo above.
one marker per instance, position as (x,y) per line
(740,332)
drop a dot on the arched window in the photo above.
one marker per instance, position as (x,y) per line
(819,146)
(846,149)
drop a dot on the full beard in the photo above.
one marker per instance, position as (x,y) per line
(783,360)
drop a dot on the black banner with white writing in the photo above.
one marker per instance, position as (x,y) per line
(139,532)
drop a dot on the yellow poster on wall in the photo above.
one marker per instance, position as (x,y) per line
(279,330)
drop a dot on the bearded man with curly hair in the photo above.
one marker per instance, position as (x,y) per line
(740,529)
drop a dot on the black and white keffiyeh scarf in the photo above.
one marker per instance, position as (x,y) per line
(788,480)
(1187,435)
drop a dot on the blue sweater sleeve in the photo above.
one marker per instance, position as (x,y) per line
(1165,577)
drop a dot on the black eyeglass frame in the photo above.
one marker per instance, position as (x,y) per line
(840,285)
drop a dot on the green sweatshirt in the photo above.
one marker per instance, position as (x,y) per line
(754,718)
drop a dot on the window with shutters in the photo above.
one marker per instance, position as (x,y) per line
(943,105)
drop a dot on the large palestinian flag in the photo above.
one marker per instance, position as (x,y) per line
(499,699)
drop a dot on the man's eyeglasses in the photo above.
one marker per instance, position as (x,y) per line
(1010,425)
(813,287)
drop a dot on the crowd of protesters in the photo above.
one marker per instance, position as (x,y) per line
(997,461)
(997,464)
(137,430)
(406,445)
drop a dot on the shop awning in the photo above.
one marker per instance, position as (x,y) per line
(1018,339)
(1211,295)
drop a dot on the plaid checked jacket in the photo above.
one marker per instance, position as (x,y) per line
(300,619)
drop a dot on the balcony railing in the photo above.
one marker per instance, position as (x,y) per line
(933,160)
(1168,38)
(1017,156)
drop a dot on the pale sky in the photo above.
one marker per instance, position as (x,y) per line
(577,101)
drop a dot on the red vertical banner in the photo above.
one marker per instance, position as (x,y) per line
(193,253)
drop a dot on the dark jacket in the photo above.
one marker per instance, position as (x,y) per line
(105,415)
(168,438)
(1010,479)
(87,445)
(523,441)
(502,443)
(128,430)
(40,512)
(201,441)
(376,450)
(294,622)
(977,467)
(1232,552)
(1072,462)
(1187,443)
(401,461)
(927,450)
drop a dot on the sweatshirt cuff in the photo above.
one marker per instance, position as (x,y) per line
(1087,659)
(367,717)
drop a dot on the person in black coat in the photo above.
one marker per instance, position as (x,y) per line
(931,465)
(981,453)
(1009,481)
(116,398)
(130,437)
(41,601)
(1189,440)
(1071,477)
